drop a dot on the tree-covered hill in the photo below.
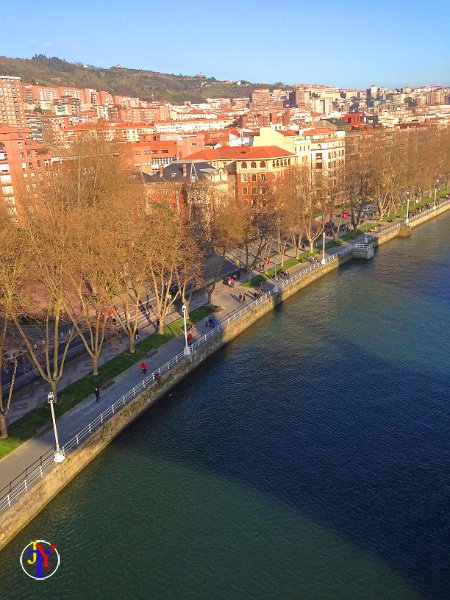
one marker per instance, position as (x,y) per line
(55,71)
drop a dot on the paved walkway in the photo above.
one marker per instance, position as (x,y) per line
(73,421)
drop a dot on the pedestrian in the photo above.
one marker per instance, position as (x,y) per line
(240,297)
(189,339)
(143,368)
(136,334)
(97,394)
(243,298)
(207,323)
(210,321)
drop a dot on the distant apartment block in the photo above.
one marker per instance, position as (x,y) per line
(12,110)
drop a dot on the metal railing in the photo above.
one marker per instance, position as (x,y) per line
(21,484)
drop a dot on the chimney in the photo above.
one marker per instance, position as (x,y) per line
(184,169)
(161,170)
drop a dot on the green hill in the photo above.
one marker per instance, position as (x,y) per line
(55,71)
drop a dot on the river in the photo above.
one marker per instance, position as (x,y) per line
(309,459)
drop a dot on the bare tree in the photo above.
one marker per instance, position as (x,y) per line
(12,272)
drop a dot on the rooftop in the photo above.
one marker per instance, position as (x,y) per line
(240,153)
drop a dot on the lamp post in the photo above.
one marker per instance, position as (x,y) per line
(407,208)
(323,247)
(187,350)
(275,288)
(366,215)
(435,194)
(59,455)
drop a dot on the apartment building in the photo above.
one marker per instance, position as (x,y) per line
(23,166)
(255,169)
(148,157)
(189,185)
(12,111)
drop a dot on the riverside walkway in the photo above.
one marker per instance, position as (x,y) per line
(13,465)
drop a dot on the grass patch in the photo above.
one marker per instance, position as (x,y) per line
(351,235)
(68,398)
(256,280)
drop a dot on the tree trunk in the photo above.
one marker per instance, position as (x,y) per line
(131,342)
(209,292)
(94,364)
(54,388)
(3,427)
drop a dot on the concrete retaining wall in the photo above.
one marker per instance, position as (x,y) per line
(28,506)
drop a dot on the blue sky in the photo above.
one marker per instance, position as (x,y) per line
(349,44)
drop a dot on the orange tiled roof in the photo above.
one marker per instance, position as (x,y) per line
(240,153)
(319,131)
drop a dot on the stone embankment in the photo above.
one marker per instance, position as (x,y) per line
(26,506)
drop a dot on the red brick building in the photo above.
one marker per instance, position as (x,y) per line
(148,157)
(23,167)
(255,169)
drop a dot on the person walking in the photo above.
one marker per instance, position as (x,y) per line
(136,335)
(97,394)
(143,368)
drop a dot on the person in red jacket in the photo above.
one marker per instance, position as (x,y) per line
(143,368)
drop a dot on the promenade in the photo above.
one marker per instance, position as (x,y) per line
(13,465)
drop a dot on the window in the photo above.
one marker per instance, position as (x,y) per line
(5,178)
(253,165)
(254,177)
(254,190)
(243,165)
(262,164)
(245,191)
(264,190)
(7,189)
(263,177)
(244,177)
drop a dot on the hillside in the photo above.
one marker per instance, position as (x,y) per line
(121,81)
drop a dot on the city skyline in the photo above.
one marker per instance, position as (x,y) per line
(328,46)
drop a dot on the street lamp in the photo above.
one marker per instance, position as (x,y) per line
(59,455)
(187,350)
(366,215)
(435,193)
(275,288)
(323,247)
(407,208)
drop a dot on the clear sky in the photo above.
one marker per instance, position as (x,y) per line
(345,43)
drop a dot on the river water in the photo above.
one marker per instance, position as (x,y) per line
(309,459)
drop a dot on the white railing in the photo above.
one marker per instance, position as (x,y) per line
(32,474)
